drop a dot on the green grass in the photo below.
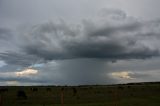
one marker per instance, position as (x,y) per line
(116,95)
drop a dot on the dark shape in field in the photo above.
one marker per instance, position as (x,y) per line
(21,94)
(3,90)
(129,87)
(62,89)
(34,89)
(74,91)
(120,87)
(48,89)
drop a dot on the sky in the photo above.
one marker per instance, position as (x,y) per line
(79,42)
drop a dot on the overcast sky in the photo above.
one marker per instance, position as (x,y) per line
(76,42)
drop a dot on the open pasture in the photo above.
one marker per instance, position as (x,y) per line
(140,94)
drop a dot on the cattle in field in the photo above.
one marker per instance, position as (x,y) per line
(34,89)
(21,94)
(48,89)
(120,87)
(2,90)
(129,87)
(74,91)
(62,89)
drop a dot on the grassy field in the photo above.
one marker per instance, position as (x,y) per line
(141,94)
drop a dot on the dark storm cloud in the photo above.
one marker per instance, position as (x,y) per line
(19,59)
(76,71)
(75,52)
(51,41)
(111,36)
(24,80)
(8,68)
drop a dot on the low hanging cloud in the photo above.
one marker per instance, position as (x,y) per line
(26,72)
(112,35)
(19,58)
(123,75)
(26,76)
(12,83)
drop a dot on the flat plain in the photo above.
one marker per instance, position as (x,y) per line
(133,94)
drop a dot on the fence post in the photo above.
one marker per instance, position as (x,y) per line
(0,99)
(115,97)
(53,100)
(62,97)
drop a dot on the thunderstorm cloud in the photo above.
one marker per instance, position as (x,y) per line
(64,43)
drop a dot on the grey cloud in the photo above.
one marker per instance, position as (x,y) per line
(65,72)
(113,13)
(110,42)
(140,75)
(76,71)
(5,33)
(84,51)
(20,59)
(24,80)
(105,37)
(9,68)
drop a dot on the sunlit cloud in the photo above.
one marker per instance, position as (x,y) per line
(123,75)
(12,83)
(26,72)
